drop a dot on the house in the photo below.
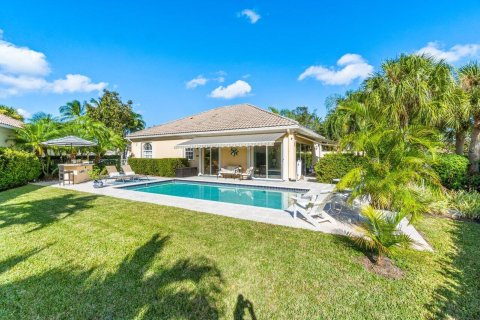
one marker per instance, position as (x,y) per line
(238,135)
(7,130)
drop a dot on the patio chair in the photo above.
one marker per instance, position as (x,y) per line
(312,209)
(247,175)
(128,172)
(113,174)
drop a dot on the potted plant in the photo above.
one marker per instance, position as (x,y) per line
(95,175)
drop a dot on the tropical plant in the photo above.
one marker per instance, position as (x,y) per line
(32,136)
(11,112)
(72,110)
(379,233)
(303,116)
(469,77)
(467,204)
(43,117)
(114,113)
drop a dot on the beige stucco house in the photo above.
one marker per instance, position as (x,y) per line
(238,135)
(7,130)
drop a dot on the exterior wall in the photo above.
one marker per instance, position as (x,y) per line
(163,149)
(226,159)
(6,137)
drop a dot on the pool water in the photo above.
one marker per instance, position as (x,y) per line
(275,198)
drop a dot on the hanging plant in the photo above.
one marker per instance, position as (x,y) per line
(234,152)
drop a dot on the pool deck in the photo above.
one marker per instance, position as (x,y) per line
(258,214)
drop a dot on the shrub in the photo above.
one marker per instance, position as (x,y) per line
(452,170)
(158,167)
(473,182)
(17,168)
(336,165)
(467,204)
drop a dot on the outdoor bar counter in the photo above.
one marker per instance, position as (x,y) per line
(79,171)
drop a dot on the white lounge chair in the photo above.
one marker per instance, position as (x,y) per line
(312,209)
(247,175)
(128,172)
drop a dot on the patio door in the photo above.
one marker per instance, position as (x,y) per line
(267,161)
(210,161)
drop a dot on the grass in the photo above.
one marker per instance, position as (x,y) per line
(70,255)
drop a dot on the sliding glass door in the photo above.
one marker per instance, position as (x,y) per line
(210,161)
(267,161)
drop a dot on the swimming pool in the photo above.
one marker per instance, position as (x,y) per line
(266,197)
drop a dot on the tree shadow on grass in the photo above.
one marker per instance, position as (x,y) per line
(244,309)
(459,297)
(11,262)
(186,289)
(42,212)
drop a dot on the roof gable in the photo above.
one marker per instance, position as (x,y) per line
(228,118)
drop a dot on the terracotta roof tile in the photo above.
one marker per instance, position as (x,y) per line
(234,117)
(6,120)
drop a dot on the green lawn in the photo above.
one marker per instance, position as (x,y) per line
(69,255)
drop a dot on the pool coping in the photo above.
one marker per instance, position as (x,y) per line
(245,212)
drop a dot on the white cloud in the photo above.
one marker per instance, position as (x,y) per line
(196,82)
(237,89)
(453,54)
(75,83)
(352,66)
(200,80)
(22,60)
(25,70)
(250,15)
(24,113)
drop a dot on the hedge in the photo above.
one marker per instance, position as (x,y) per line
(17,168)
(158,167)
(336,165)
(452,170)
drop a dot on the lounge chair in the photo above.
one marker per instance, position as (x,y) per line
(312,209)
(113,174)
(247,175)
(228,171)
(128,172)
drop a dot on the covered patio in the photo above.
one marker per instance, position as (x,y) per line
(267,154)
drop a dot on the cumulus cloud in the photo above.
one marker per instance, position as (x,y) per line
(250,15)
(196,82)
(237,89)
(453,54)
(349,67)
(25,70)
(24,113)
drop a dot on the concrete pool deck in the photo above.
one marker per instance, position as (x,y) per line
(258,214)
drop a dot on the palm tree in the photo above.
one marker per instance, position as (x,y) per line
(72,110)
(469,77)
(413,89)
(32,136)
(43,117)
(380,234)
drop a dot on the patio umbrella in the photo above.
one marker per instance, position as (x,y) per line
(71,141)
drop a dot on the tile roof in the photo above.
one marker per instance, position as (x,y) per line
(7,121)
(228,118)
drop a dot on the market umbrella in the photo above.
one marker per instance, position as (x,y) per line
(69,141)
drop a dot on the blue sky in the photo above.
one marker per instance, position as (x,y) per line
(268,53)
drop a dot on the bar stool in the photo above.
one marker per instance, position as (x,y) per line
(62,173)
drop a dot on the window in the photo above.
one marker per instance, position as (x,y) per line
(189,153)
(147,150)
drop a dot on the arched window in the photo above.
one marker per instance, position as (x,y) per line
(147,150)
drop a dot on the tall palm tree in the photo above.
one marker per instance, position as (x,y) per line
(469,76)
(72,110)
(413,89)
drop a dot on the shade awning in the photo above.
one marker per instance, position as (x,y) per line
(247,140)
(69,141)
